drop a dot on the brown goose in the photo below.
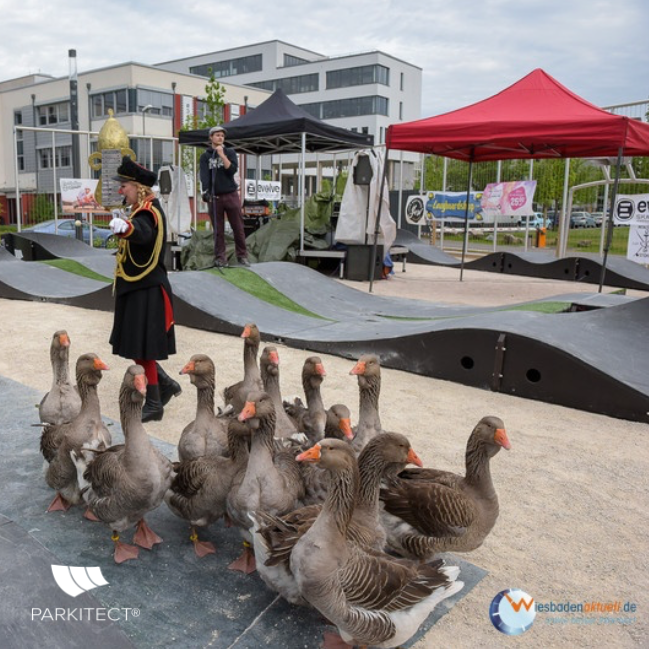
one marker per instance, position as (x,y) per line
(272,481)
(206,434)
(428,511)
(368,371)
(338,422)
(269,368)
(199,490)
(373,598)
(235,395)
(276,537)
(62,403)
(126,481)
(311,420)
(86,429)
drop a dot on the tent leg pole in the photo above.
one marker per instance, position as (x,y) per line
(377,224)
(465,238)
(609,231)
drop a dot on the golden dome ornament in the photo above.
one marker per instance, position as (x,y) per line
(112,144)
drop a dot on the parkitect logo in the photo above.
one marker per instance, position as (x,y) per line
(73,581)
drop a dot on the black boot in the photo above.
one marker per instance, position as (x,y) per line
(168,387)
(153,408)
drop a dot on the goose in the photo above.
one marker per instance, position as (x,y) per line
(272,480)
(269,369)
(338,423)
(62,403)
(86,429)
(206,434)
(371,597)
(235,395)
(427,511)
(310,420)
(124,482)
(368,371)
(276,536)
(200,487)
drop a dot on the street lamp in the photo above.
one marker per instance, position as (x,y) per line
(144,111)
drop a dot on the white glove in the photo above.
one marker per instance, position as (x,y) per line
(118,225)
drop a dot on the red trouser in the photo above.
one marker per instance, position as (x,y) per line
(230,205)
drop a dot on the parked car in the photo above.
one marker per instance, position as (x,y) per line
(582,220)
(66,228)
(598,217)
(535,221)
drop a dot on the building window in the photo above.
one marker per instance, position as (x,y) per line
(53,114)
(291,85)
(20,155)
(202,112)
(116,100)
(63,157)
(352,107)
(401,81)
(230,67)
(162,102)
(400,110)
(358,76)
(290,60)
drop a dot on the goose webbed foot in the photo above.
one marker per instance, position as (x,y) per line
(90,516)
(202,548)
(245,562)
(331,640)
(59,504)
(145,537)
(123,551)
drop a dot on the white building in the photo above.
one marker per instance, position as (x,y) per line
(149,102)
(363,92)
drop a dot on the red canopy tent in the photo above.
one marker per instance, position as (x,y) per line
(536,117)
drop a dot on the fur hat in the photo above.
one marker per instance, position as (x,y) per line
(134,172)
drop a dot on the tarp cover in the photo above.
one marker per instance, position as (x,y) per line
(276,126)
(536,117)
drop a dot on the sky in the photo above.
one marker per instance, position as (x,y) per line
(468,49)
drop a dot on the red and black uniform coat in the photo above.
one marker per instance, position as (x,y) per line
(143,327)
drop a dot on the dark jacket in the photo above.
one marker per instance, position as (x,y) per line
(215,178)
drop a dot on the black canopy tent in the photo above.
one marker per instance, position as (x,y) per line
(279,126)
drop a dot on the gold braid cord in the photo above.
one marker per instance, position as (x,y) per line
(124,250)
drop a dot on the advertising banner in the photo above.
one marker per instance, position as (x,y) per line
(514,198)
(631,208)
(638,246)
(267,190)
(442,206)
(78,195)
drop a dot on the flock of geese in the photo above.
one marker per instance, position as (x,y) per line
(331,515)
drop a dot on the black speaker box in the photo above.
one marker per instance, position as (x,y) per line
(363,171)
(357,263)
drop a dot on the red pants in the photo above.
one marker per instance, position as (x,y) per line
(230,205)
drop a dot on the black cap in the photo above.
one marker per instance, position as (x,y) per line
(134,172)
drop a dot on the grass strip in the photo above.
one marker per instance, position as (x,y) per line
(76,268)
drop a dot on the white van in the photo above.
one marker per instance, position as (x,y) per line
(536,221)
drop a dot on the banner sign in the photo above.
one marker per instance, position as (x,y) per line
(633,208)
(442,206)
(78,195)
(638,247)
(267,190)
(512,198)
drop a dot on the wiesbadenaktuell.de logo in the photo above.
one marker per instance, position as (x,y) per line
(73,581)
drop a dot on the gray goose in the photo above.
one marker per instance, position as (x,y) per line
(86,429)
(235,395)
(373,598)
(310,420)
(62,403)
(200,487)
(368,371)
(272,480)
(427,511)
(269,369)
(206,434)
(123,483)
(276,536)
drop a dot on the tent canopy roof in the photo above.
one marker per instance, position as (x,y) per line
(276,126)
(536,117)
